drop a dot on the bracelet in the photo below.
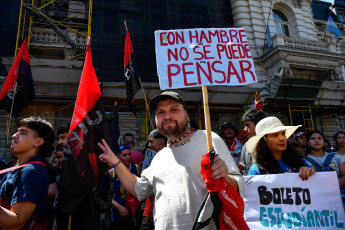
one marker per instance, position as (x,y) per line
(117,164)
(116,205)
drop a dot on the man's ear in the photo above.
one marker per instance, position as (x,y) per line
(185,111)
(39,141)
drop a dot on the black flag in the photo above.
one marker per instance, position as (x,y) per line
(131,74)
(82,168)
(19,74)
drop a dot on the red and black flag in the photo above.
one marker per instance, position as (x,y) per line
(223,207)
(131,73)
(19,74)
(82,168)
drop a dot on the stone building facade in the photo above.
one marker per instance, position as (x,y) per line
(301,76)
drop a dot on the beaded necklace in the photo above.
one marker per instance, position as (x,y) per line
(172,142)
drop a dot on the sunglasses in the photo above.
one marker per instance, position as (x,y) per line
(124,147)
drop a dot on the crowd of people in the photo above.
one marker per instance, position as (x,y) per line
(167,193)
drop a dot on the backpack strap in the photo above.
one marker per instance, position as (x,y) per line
(313,162)
(21,166)
(328,159)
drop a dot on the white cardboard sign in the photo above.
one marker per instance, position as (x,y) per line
(284,201)
(203,57)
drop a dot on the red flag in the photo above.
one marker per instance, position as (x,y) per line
(131,73)
(20,73)
(227,204)
(82,167)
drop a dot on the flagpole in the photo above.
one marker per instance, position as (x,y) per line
(268,20)
(9,119)
(142,89)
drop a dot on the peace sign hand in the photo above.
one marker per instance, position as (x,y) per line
(107,156)
(258,102)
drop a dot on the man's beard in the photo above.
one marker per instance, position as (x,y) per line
(174,132)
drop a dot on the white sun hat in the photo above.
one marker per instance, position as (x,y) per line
(266,126)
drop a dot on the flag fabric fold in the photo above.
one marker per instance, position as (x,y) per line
(131,73)
(332,27)
(20,74)
(223,207)
(82,167)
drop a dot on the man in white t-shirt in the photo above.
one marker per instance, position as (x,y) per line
(174,174)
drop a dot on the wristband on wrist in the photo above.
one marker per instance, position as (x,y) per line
(117,164)
(116,205)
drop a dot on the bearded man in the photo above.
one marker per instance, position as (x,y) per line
(174,174)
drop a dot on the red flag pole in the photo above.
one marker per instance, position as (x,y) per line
(142,89)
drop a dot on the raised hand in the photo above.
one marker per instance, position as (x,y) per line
(107,156)
(259,104)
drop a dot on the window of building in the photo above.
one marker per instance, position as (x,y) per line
(281,23)
(341,16)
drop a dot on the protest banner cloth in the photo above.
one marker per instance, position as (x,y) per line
(284,201)
(206,57)
(149,155)
(203,57)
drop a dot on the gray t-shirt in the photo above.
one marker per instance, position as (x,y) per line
(335,162)
(175,180)
(246,159)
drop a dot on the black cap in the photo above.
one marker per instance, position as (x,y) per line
(227,125)
(163,96)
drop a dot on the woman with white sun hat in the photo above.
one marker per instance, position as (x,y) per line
(273,153)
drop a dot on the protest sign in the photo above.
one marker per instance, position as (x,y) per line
(149,155)
(203,57)
(284,201)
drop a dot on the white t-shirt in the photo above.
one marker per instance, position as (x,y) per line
(175,180)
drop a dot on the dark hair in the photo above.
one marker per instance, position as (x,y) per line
(63,129)
(266,162)
(121,148)
(335,139)
(307,149)
(254,115)
(327,141)
(157,135)
(128,138)
(44,130)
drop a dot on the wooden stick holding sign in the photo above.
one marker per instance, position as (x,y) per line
(207,120)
